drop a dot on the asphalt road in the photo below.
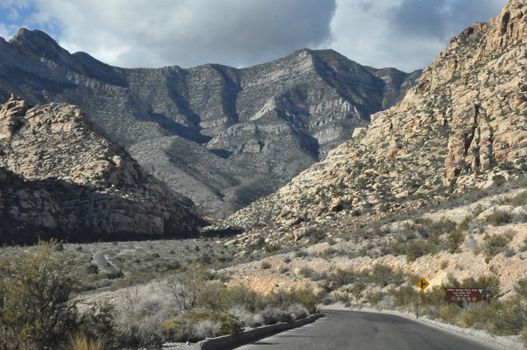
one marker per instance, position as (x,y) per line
(364,331)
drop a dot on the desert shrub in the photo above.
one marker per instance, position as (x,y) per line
(499,218)
(490,283)
(169,330)
(265,265)
(98,323)
(80,342)
(495,244)
(375,298)
(383,275)
(454,240)
(497,317)
(314,234)
(404,296)
(272,315)
(297,311)
(244,316)
(228,324)
(92,269)
(242,296)
(35,288)
(306,272)
(499,180)
(206,329)
(417,248)
(449,313)
(340,278)
(306,298)
(136,334)
(442,226)
(521,288)
(319,275)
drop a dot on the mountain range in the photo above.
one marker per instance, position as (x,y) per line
(221,136)
(462,128)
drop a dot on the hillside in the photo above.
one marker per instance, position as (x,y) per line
(60,178)
(463,127)
(219,135)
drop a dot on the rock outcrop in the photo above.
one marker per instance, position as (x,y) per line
(60,178)
(219,135)
(463,124)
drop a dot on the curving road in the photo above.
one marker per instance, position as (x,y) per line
(365,331)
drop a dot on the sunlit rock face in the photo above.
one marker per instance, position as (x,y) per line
(60,178)
(464,123)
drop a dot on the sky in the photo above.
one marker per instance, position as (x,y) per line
(406,34)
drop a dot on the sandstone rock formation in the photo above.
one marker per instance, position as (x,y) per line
(464,123)
(60,178)
(221,136)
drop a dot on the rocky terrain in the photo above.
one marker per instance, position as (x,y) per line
(60,178)
(219,135)
(472,238)
(463,127)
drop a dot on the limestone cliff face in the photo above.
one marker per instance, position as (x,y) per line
(60,178)
(464,122)
(219,135)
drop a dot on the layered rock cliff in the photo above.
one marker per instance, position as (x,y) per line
(462,126)
(60,178)
(221,136)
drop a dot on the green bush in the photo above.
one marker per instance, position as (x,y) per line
(241,296)
(405,296)
(265,265)
(521,288)
(454,240)
(36,290)
(495,244)
(383,275)
(417,248)
(283,299)
(499,218)
(228,323)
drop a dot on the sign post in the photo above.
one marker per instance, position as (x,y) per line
(421,284)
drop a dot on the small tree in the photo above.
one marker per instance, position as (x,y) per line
(35,290)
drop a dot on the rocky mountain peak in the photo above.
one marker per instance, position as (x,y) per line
(33,39)
(463,124)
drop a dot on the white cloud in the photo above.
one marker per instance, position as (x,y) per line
(407,34)
(188,32)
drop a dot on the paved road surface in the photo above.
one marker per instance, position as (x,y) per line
(364,331)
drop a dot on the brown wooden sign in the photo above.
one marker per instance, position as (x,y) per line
(466,295)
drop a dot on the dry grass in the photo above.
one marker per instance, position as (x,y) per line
(80,342)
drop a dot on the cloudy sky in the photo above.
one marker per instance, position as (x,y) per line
(406,34)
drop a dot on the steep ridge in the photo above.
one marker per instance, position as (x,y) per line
(60,178)
(219,135)
(462,126)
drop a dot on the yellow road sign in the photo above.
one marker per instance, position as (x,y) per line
(423,283)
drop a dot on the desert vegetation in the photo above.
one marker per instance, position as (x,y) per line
(42,309)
